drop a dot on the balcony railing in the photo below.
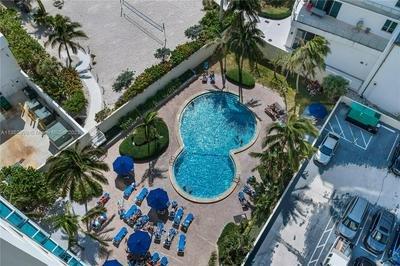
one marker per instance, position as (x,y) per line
(376,7)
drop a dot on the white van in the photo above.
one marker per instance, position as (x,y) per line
(340,253)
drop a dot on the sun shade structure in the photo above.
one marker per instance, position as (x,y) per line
(139,243)
(364,115)
(158,199)
(112,263)
(317,110)
(123,165)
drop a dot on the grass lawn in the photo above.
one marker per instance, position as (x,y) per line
(248,81)
(265,77)
(277,13)
(137,147)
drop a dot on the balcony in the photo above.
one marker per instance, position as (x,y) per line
(376,7)
(336,27)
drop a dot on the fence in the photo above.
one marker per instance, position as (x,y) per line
(190,63)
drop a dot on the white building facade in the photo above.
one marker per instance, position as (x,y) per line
(364,38)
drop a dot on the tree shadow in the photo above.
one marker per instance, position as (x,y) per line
(152,173)
(253,103)
(57,208)
(292,209)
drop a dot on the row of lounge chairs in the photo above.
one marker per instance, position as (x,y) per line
(249,191)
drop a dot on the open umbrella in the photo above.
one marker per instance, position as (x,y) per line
(123,165)
(158,199)
(317,110)
(139,243)
(112,263)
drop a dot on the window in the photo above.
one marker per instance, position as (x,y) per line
(302,35)
(389,26)
(334,11)
(398,4)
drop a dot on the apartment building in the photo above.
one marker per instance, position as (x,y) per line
(364,37)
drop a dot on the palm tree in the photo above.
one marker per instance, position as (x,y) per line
(69,223)
(92,214)
(64,32)
(41,17)
(308,57)
(244,41)
(162,53)
(290,138)
(247,9)
(76,167)
(150,128)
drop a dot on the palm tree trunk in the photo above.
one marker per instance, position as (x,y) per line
(297,82)
(221,65)
(69,56)
(241,79)
(221,10)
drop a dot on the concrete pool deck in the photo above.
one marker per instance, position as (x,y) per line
(209,218)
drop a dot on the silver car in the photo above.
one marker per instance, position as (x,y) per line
(327,149)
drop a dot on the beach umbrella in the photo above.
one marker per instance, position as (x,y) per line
(123,165)
(158,199)
(139,243)
(112,263)
(317,110)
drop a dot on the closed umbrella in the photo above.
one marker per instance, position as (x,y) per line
(158,199)
(139,243)
(123,165)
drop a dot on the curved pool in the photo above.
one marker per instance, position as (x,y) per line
(211,126)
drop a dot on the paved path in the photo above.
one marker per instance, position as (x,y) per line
(95,93)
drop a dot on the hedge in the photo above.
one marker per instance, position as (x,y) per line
(155,72)
(275,13)
(61,84)
(130,118)
(137,147)
(248,80)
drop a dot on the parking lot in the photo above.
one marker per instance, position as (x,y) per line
(305,228)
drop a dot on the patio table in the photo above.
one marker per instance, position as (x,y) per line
(33,104)
(59,135)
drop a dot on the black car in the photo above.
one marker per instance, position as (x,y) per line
(363,261)
(380,231)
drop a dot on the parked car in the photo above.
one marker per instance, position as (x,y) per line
(363,261)
(380,230)
(327,149)
(352,218)
(394,252)
(395,161)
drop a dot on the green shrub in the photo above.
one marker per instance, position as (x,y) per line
(213,259)
(61,84)
(102,114)
(248,80)
(27,189)
(334,86)
(137,147)
(123,80)
(233,245)
(275,13)
(183,51)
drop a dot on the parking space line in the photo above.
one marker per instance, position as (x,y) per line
(330,230)
(337,120)
(352,134)
(362,135)
(385,127)
(391,150)
(369,252)
(352,142)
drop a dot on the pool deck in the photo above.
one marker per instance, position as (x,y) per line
(209,218)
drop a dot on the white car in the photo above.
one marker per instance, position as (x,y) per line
(327,149)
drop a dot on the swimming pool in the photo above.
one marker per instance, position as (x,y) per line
(212,125)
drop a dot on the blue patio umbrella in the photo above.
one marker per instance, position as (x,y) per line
(112,263)
(139,243)
(317,110)
(158,199)
(123,165)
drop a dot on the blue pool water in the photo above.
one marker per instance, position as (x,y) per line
(211,126)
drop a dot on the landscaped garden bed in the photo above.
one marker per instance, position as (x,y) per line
(61,84)
(275,13)
(140,148)
(248,80)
